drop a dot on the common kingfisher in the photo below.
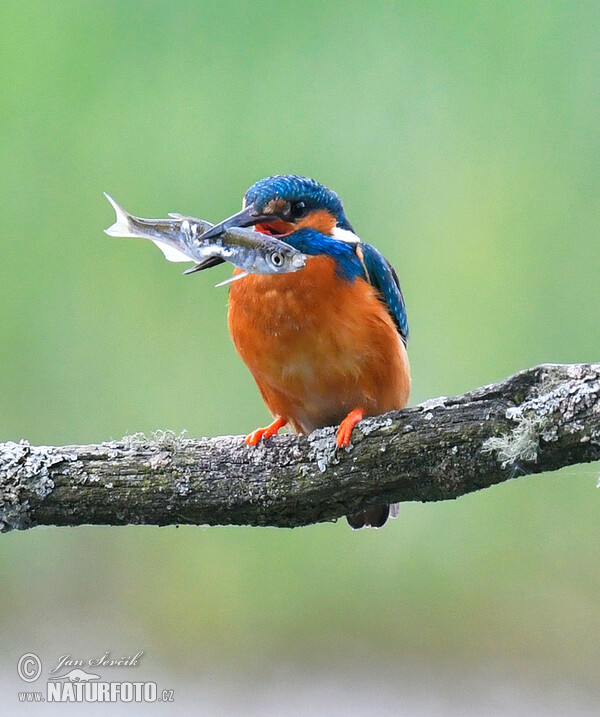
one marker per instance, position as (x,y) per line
(326,345)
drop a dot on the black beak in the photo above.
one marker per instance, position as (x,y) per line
(248,217)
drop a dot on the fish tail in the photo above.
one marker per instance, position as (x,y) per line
(123,226)
(168,239)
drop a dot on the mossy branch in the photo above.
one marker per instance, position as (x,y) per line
(538,420)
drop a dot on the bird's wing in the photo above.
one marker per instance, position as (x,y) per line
(382,276)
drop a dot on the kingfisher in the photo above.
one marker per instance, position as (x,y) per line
(326,345)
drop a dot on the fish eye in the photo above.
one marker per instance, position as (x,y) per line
(277,258)
(298,209)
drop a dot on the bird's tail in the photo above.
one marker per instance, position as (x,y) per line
(374,517)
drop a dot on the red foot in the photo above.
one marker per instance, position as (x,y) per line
(263,433)
(344,433)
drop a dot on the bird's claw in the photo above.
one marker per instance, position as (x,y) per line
(344,432)
(260,434)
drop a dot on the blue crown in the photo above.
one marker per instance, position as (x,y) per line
(292,188)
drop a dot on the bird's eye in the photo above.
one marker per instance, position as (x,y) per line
(277,258)
(298,209)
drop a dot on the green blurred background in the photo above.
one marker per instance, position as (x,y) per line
(464,139)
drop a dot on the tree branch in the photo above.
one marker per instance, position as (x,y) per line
(538,420)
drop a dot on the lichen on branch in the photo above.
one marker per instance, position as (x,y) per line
(537,420)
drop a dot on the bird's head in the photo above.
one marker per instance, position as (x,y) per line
(281,205)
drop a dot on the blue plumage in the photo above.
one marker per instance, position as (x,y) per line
(313,243)
(293,188)
(380,273)
(383,277)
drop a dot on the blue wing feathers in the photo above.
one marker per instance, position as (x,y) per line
(383,277)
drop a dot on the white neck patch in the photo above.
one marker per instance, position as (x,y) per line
(345,235)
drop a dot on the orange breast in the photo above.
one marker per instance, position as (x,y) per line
(318,346)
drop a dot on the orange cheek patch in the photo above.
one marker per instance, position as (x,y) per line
(278,227)
(321,220)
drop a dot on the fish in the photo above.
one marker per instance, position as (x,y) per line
(180,239)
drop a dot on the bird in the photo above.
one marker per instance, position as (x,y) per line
(326,345)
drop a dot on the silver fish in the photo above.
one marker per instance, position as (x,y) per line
(180,239)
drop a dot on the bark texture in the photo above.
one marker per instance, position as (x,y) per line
(538,420)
